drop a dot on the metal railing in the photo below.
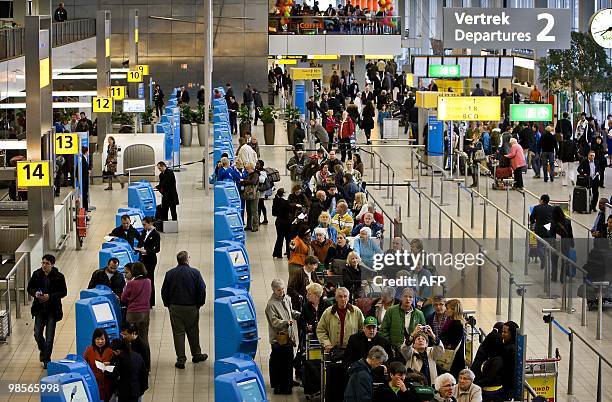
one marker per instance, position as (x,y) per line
(600,357)
(11,282)
(12,40)
(333,25)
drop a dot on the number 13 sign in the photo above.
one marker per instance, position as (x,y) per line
(33,174)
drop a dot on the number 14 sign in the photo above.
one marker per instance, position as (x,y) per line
(33,174)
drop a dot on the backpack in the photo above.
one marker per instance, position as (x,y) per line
(266,185)
(273,174)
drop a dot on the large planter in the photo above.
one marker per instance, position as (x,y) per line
(244,128)
(269,129)
(201,134)
(116,127)
(147,128)
(186,134)
(290,135)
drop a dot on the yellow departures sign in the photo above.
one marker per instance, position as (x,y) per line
(469,108)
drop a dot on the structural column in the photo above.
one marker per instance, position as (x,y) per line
(208,69)
(103,29)
(133,48)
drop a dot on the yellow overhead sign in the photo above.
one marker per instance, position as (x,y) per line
(286,61)
(307,73)
(117,93)
(143,68)
(470,108)
(66,144)
(134,76)
(324,57)
(102,104)
(429,99)
(33,174)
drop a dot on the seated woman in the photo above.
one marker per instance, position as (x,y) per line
(321,244)
(325,223)
(100,351)
(366,247)
(337,255)
(420,357)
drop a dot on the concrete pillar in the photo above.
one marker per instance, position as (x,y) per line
(424,26)
(585,10)
(360,71)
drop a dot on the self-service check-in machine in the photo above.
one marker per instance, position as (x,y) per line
(228,225)
(227,195)
(237,363)
(77,364)
(235,327)
(136,216)
(104,291)
(239,387)
(96,312)
(221,147)
(118,248)
(142,196)
(231,268)
(67,387)
(165,128)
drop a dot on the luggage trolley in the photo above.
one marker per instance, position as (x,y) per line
(542,376)
(313,371)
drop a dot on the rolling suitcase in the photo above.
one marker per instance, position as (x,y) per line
(581,200)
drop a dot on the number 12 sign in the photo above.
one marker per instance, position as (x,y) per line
(102,104)
(33,174)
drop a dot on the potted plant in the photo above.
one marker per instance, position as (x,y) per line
(292,116)
(147,119)
(186,129)
(199,116)
(122,122)
(244,116)
(268,117)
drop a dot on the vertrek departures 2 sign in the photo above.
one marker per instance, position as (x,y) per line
(507,28)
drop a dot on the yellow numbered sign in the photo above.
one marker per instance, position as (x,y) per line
(66,144)
(102,104)
(33,174)
(117,93)
(143,68)
(134,76)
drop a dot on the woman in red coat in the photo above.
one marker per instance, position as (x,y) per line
(517,160)
(100,351)
(346,131)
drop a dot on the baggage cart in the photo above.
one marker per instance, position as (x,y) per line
(312,374)
(542,376)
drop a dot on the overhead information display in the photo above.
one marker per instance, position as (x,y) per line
(507,28)
(469,108)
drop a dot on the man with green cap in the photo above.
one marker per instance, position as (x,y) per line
(359,344)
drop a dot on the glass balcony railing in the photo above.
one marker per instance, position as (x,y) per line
(336,25)
(12,40)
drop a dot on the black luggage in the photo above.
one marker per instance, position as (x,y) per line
(311,378)
(583,181)
(581,201)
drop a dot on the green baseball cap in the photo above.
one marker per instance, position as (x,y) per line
(369,321)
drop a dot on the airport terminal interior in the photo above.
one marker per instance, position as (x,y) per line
(298,200)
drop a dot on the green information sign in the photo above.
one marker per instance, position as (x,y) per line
(531,112)
(444,70)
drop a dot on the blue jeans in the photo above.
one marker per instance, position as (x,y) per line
(44,322)
(536,164)
(548,158)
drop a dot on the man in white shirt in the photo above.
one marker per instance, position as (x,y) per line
(246,153)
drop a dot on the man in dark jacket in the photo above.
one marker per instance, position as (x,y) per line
(359,387)
(109,276)
(258,104)
(167,189)
(359,345)
(184,292)
(149,245)
(564,127)
(590,167)
(541,218)
(183,95)
(126,231)
(550,148)
(47,286)
(299,279)
(247,97)
(318,205)
(60,14)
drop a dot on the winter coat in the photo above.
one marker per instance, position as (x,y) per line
(167,187)
(393,327)
(359,386)
(516,156)
(328,330)
(414,362)
(56,289)
(278,314)
(347,128)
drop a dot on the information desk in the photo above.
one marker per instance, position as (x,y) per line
(228,225)
(67,387)
(141,195)
(227,195)
(93,313)
(235,327)
(76,364)
(237,363)
(239,387)
(106,292)
(231,268)
(136,215)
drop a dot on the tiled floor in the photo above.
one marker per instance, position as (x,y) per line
(19,362)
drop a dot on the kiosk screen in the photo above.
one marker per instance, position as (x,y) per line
(243,312)
(123,257)
(144,193)
(231,191)
(102,312)
(249,391)
(136,221)
(234,221)
(75,392)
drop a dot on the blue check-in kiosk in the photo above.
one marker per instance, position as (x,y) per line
(228,225)
(106,292)
(237,363)
(221,147)
(141,195)
(226,194)
(118,248)
(239,387)
(136,216)
(77,364)
(96,312)
(235,327)
(166,128)
(231,268)
(67,387)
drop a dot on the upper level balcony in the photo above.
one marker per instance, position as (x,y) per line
(337,35)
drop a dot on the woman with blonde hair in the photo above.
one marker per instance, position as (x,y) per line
(360,205)
(325,223)
(452,335)
(349,168)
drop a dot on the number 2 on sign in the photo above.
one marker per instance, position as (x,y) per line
(102,104)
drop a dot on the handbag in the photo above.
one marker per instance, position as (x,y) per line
(445,361)
(250,193)
(479,155)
